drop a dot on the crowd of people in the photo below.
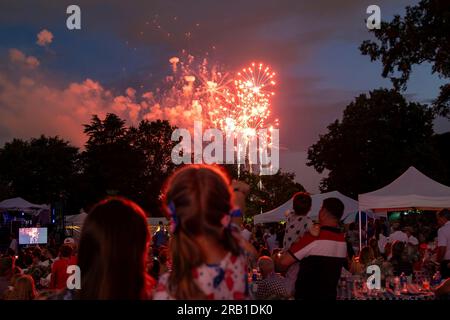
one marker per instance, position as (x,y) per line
(206,252)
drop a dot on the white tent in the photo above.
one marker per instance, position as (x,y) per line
(279,214)
(412,189)
(155,221)
(20,204)
(76,219)
(75,223)
(353,217)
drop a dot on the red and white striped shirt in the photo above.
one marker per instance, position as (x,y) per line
(321,261)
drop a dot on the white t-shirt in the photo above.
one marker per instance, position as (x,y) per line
(399,236)
(246,234)
(444,239)
(382,240)
(413,240)
(272,242)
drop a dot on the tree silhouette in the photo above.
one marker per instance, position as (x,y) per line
(379,137)
(422,35)
(41,170)
(127,161)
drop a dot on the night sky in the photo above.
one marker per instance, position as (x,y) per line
(52,86)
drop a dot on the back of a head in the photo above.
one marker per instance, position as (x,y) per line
(24,288)
(112,251)
(397,249)
(301,203)
(335,207)
(266,264)
(65,251)
(373,243)
(445,214)
(366,255)
(199,197)
(36,253)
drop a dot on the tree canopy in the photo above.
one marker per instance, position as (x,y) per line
(126,161)
(378,138)
(41,170)
(422,35)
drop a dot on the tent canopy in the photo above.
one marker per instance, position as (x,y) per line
(352,217)
(20,204)
(279,214)
(412,189)
(78,220)
(155,221)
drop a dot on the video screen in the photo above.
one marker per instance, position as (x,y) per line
(32,235)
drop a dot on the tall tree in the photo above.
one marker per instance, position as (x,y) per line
(41,170)
(111,165)
(441,143)
(153,142)
(422,35)
(379,137)
(128,161)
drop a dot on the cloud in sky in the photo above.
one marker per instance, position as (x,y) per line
(32,104)
(18,57)
(44,38)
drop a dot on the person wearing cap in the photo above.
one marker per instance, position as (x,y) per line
(73,257)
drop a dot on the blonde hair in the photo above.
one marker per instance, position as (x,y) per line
(200,197)
(24,289)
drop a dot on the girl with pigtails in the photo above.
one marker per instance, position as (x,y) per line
(207,252)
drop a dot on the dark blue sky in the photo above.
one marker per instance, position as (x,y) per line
(313,46)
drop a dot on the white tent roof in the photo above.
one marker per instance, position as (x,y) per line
(155,221)
(21,204)
(412,189)
(76,219)
(279,214)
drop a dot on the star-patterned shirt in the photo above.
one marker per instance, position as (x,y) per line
(227,280)
(296,227)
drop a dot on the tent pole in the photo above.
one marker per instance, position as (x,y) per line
(366,230)
(360,235)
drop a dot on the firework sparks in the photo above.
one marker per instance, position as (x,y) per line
(241,104)
(253,96)
(199,91)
